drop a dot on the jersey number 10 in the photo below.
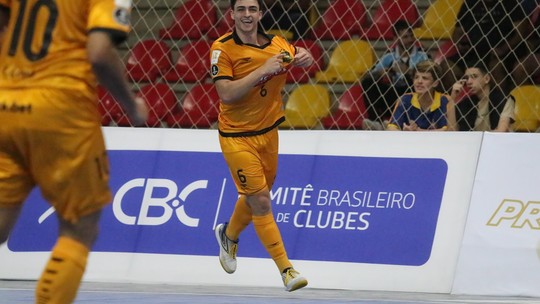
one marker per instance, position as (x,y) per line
(28,36)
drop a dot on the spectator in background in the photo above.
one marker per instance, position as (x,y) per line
(287,15)
(527,69)
(488,32)
(426,109)
(480,106)
(391,76)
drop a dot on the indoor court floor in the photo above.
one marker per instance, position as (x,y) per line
(12,292)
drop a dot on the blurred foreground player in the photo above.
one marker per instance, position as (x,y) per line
(50,133)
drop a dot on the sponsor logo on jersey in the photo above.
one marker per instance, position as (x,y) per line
(122,16)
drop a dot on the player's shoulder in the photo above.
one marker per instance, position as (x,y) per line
(278,40)
(227,38)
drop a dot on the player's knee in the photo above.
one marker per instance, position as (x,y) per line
(85,230)
(260,204)
(90,235)
(86,236)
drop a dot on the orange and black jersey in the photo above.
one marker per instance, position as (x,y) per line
(262,108)
(45,42)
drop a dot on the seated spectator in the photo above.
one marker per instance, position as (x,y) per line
(527,69)
(426,109)
(287,15)
(490,30)
(390,77)
(480,106)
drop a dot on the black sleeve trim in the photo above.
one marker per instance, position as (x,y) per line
(226,38)
(117,36)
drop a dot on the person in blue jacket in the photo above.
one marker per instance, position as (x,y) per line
(391,76)
(426,109)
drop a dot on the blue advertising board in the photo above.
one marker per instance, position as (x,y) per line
(329,208)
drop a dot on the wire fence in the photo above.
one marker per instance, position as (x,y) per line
(167,59)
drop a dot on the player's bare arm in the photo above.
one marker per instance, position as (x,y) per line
(231,91)
(108,68)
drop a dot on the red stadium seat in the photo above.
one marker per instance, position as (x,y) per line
(161,101)
(191,20)
(109,109)
(302,75)
(386,15)
(193,63)
(351,111)
(224,25)
(200,108)
(148,59)
(341,20)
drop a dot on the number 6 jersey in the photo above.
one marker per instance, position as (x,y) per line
(261,109)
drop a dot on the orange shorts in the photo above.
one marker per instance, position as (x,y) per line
(252,160)
(53,140)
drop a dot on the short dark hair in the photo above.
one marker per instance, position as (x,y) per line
(480,66)
(401,25)
(260,2)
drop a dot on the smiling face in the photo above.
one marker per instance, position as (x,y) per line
(246,15)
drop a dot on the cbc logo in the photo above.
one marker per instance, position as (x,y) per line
(148,201)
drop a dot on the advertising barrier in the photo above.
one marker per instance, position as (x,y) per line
(357,210)
(501,247)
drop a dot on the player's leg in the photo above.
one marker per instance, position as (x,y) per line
(263,219)
(63,272)
(248,174)
(240,218)
(270,237)
(78,215)
(227,234)
(72,172)
(267,229)
(235,151)
(14,188)
(261,204)
(15,181)
(8,218)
